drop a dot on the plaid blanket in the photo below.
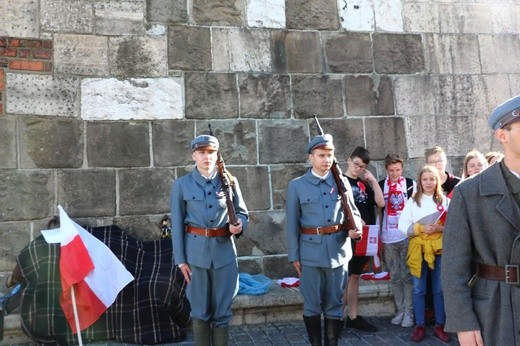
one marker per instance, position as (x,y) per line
(151,309)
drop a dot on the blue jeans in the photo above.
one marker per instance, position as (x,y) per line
(419,292)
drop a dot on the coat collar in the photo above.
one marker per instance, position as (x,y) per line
(491,182)
(315,180)
(199,179)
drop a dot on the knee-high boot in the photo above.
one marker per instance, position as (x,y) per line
(220,336)
(201,332)
(313,325)
(332,331)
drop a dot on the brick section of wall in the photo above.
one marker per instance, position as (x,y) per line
(28,55)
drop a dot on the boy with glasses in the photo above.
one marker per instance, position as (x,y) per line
(437,157)
(367,196)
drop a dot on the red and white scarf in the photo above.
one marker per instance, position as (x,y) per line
(395,196)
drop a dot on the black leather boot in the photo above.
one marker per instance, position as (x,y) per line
(313,325)
(332,331)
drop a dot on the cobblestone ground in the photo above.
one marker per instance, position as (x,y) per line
(294,334)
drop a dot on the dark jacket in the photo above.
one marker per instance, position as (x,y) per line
(483,225)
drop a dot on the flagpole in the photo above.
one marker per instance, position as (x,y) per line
(76,318)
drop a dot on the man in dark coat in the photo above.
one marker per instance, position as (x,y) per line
(481,245)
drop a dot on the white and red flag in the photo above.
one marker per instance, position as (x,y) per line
(369,243)
(91,275)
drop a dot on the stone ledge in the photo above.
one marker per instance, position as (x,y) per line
(286,304)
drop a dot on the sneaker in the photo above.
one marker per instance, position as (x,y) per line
(398,318)
(418,333)
(439,332)
(407,321)
(360,324)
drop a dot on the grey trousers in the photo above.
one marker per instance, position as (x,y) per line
(401,279)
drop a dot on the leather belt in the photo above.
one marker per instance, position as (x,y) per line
(322,230)
(208,232)
(508,273)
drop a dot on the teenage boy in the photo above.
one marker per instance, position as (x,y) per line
(437,157)
(203,243)
(318,243)
(396,190)
(367,196)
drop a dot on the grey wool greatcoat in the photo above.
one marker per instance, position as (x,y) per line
(483,225)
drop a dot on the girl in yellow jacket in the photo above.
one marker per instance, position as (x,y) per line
(422,220)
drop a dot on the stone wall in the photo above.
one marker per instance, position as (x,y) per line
(99,99)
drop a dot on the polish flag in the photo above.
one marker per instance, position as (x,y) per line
(369,243)
(89,267)
(442,218)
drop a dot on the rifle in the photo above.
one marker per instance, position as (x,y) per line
(349,223)
(226,186)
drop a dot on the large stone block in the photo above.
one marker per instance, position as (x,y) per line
(171,142)
(14,236)
(81,55)
(280,177)
(493,90)
(167,11)
(388,15)
(296,51)
(119,18)
(211,95)
(454,95)
(312,14)
(51,143)
(254,184)
(421,17)
(477,18)
(219,12)
(398,53)
(440,130)
(385,136)
(132,99)
(265,235)
(266,13)
(409,90)
(151,195)
(138,56)
(274,135)
(321,95)
(25,195)
(503,62)
(142,227)
(369,95)
(347,134)
(120,144)
(42,95)
(238,140)
(449,130)
(189,48)
(67,16)
(456,54)
(250,265)
(19,18)
(278,267)
(348,52)
(8,143)
(246,50)
(264,96)
(356,15)
(87,193)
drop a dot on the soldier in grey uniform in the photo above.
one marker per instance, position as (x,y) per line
(319,246)
(203,244)
(481,245)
